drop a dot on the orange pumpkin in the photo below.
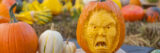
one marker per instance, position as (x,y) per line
(17,37)
(132,13)
(100,23)
(8,3)
(4,14)
(135,2)
(153,14)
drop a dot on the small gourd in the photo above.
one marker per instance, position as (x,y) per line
(69,47)
(51,41)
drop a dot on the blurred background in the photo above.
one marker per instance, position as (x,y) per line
(142,18)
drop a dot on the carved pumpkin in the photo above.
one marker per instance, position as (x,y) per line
(100,28)
(132,13)
(153,14)
(17,37)
(69,47)
(50,41)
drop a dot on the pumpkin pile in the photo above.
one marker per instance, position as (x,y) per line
(135,12)
(20,37)
(101,27)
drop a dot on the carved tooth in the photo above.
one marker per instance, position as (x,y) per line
(102,44)
(97,44)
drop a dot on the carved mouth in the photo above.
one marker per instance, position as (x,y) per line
(101,44)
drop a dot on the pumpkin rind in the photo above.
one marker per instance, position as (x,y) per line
(95,6)
(18,38)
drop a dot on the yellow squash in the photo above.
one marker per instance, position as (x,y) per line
(118,2)
(54,5)
(67,6)
(33,12)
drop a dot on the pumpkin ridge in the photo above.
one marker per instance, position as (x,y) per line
(45,44)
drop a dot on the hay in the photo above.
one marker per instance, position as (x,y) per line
(148,34)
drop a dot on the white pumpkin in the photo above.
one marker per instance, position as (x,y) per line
(69,47)
(51,41)
(87,1)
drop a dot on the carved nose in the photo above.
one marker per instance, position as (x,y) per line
(101,32)
(100,38)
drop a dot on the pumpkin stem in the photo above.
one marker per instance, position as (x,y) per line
(12,17)
(67,40)
(52,26)
(19,6)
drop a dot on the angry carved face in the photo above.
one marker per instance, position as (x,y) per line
(101,32)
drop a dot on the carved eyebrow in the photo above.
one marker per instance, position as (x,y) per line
(110,23)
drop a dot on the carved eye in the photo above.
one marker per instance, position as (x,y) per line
(108,27)
(94,27)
